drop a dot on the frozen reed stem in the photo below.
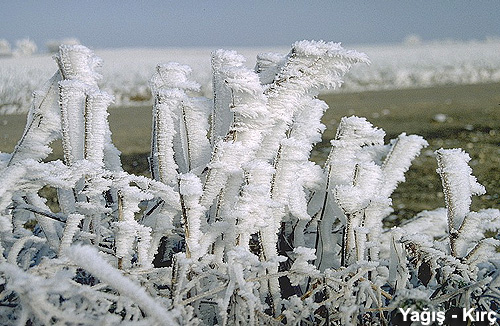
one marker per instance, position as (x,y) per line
(459,185)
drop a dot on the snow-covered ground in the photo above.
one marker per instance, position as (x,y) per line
(126,72)
(425,65)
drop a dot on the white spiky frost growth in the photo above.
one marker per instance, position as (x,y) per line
(236,225)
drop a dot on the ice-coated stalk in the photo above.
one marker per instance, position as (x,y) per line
(296,176)
(349,163)
(238,121)
(459,185)
(180,125)
(163,165)
(70,230)
(309,67)
(96,126)
(77,62)
(43,124)
(193,215)
(222,116)
(403,150)
(72,103)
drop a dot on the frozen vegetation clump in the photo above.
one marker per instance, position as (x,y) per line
(236,225)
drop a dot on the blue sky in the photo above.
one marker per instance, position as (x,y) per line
(183,23)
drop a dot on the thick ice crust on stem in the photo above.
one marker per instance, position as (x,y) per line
(459,185)
(180,124)
(43,124)
(78,62)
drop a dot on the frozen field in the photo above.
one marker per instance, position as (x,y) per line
(126,71)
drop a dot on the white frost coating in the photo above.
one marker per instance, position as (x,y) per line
(180,124)
(356,132)
(42,126)
(243,99)
(241,266)
(52,229)
(361,186)
(144,240)
(398,270)
(459,185)
(403,150)
(226,160)
(222,116)
(19,245)
(112,160)
(239,120)
(89,259)
(485,251)
(352,150)
(301,268)
(146,189)
(163,210)
(78,62)
(353,200)
(72,103)
(365,187)
(268,65)
(33,175)
(129,233)
(433,223)
(70,230)
(173,75)
(295,174)
(353,133)
(223,230)
(195,113)
(96,126)
(190,189)
(240,105)
(125,237)
(473,230)
(397,161)
(164,121)
(36,296)
(127,227)
(83,109)
(310,66)
(254,206)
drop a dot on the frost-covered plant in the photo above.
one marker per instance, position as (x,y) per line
(236,225)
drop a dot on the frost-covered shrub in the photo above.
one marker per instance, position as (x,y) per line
(236,225)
